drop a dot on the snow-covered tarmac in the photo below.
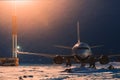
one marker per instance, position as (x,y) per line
(56,72)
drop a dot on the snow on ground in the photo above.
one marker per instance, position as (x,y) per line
(55,72)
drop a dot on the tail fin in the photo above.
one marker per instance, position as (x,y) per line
(78,31)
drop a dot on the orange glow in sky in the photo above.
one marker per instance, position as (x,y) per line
(32,12)
(35,15)
(22,1)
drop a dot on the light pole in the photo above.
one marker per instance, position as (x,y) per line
(14,61)
(14,31)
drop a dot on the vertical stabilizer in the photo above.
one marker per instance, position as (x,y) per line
(78,31)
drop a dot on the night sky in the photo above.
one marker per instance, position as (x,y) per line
(45,23)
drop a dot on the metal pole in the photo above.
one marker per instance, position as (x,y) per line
(14,31)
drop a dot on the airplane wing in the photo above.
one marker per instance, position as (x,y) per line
(117,55)
(37,54)
(43,54)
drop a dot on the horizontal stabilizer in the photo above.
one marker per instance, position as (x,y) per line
(97,46)
(64,47)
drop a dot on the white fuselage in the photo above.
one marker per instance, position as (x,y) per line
(81,49)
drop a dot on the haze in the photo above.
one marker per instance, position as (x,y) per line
(44,23)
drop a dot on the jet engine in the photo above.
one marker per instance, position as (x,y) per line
(104,59)
(58,59)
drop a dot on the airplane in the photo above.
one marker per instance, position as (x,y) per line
(81,53)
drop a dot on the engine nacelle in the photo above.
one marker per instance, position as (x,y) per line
(104,59)
(58,60)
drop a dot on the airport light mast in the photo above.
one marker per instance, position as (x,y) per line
(14,61)
(14,31)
